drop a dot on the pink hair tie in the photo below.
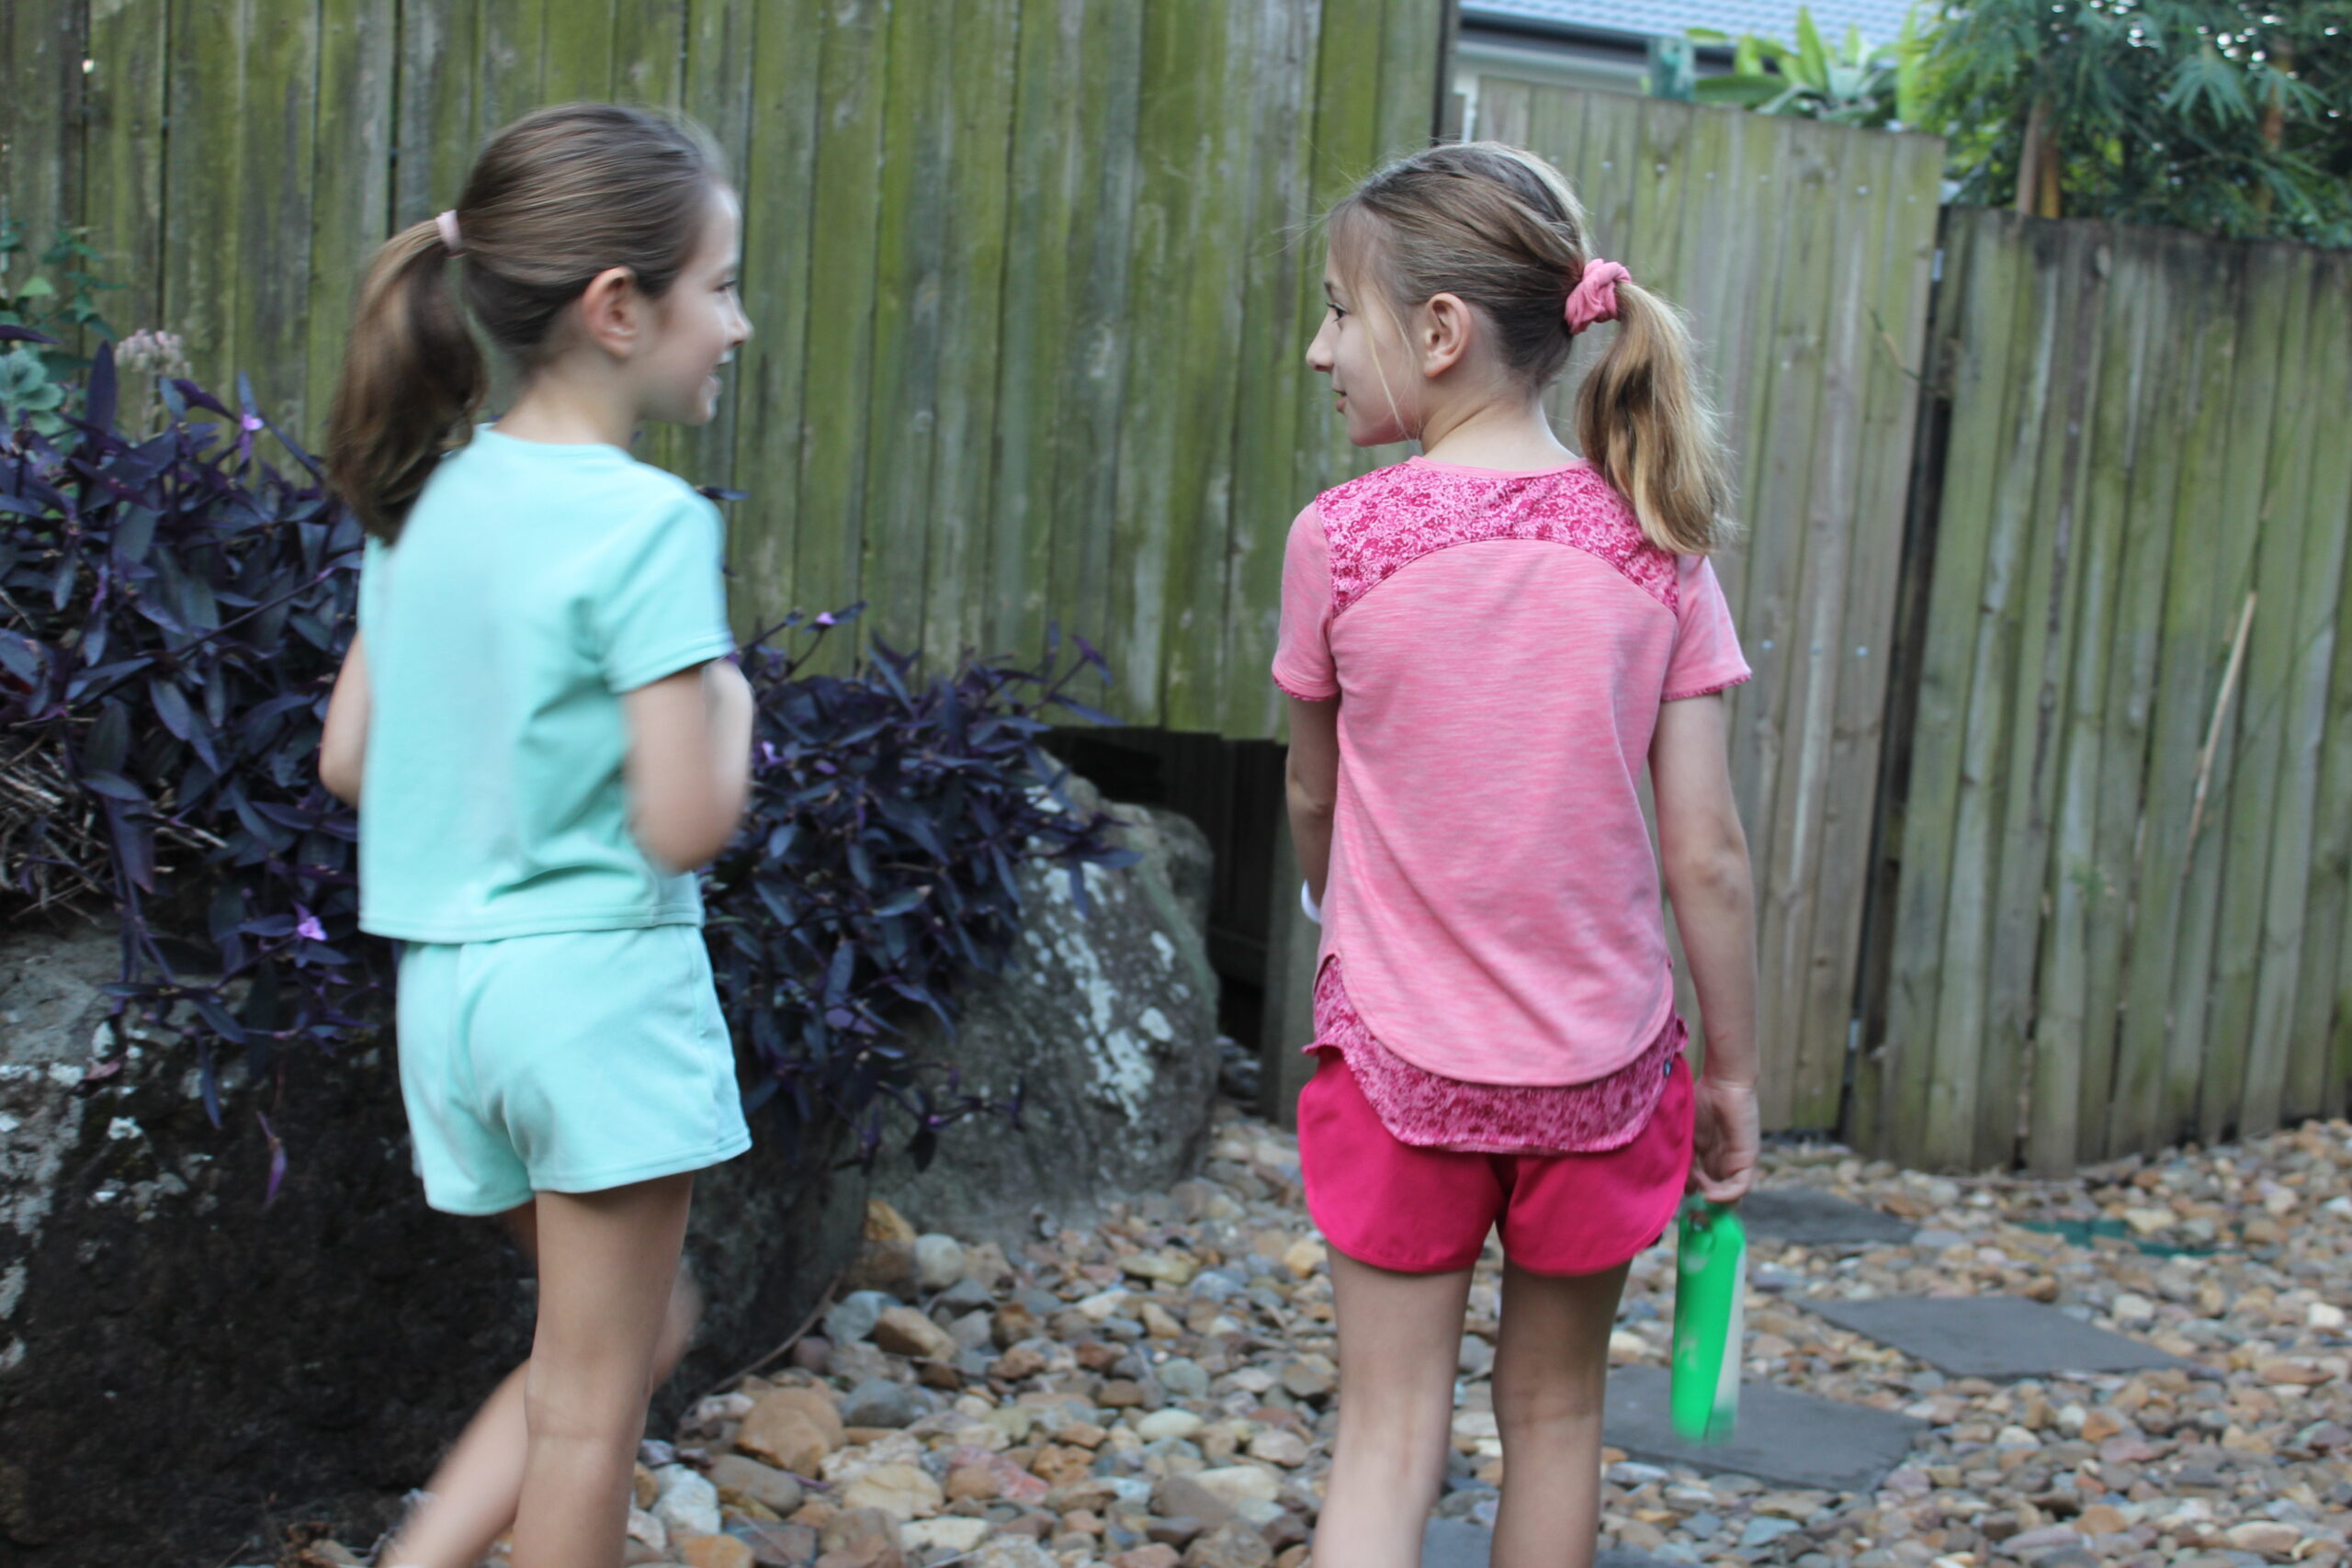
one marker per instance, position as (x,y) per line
(1594,299)
(447,223)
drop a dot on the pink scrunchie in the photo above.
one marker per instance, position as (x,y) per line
(447,223)
(1594,299)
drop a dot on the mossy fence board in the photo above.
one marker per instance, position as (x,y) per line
(1805,256)
(2120,917)
(1032,279)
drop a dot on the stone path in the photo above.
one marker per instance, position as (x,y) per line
(1157,1390)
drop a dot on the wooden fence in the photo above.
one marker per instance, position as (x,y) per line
(1031,277)
(1803,254)
(1031,294)
(2120,912)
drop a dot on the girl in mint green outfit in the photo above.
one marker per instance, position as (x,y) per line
(544,734)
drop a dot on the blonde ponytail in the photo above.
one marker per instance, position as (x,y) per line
(1645,423)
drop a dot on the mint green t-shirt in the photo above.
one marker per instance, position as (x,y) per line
(531,586)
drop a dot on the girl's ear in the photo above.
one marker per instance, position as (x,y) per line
(1447,327)
(612,311)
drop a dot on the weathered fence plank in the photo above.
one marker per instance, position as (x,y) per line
(2323,1003)
(971,324)
(777,181)
(122,195)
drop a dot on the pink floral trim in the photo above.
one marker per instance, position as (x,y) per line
(1429,1110)
(1392,516)
(1707,691)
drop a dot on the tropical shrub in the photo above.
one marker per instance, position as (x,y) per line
(1857,83)
(2228,116)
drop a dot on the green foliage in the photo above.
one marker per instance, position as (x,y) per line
(2229,116)
(1857,83)
(51,299)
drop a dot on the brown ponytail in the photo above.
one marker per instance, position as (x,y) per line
(412,378)
(556,198)
(1501,229)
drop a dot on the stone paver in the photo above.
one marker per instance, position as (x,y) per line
(1797,1439)
(1809,1215)
(1992,1337)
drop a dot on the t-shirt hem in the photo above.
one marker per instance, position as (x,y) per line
(1663,1018)
(402,930)
(645,671)
(1304,691)
(1711,689)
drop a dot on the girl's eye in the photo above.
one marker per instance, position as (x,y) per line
(1336,311)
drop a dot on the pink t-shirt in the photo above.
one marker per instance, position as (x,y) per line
(1501,644)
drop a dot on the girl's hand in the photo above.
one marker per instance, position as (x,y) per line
(1722,1156)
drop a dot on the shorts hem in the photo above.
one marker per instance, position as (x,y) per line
(649,1170)
(474,1211)
(1395,1267)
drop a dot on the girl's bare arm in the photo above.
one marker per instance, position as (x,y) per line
(343,745)
(1703,851)
(688,769)
(1312,783)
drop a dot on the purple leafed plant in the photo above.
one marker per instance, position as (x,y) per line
(877,868)
(172,611)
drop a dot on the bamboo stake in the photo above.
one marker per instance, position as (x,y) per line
(2213,733)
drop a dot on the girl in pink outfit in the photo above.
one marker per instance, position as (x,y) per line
(1483,647)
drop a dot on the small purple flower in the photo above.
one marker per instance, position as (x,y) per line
(250,421)
(308,927)
(825,618)
(769,755)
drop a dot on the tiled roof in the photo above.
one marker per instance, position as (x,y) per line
(1879,20)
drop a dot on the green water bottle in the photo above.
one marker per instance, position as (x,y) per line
(1710,1297)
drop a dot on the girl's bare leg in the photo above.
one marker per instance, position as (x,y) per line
(1551,1374)
(472,1496)
(1400,1336)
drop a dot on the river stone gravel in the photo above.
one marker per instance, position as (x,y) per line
(1158,1391)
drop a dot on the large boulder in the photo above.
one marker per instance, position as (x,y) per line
(1105,1023)
(180,1365)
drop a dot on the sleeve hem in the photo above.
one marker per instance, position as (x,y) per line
(1299,689)
(1715,689)
(681,655)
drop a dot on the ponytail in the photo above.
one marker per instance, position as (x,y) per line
(412,378)
(1643,422)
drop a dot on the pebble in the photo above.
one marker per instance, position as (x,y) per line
(939,1262)
(881,1402)
(687,1503)
(855,1315)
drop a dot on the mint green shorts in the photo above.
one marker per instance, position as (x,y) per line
(572,1062)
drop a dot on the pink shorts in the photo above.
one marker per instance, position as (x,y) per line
(1421,1211)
